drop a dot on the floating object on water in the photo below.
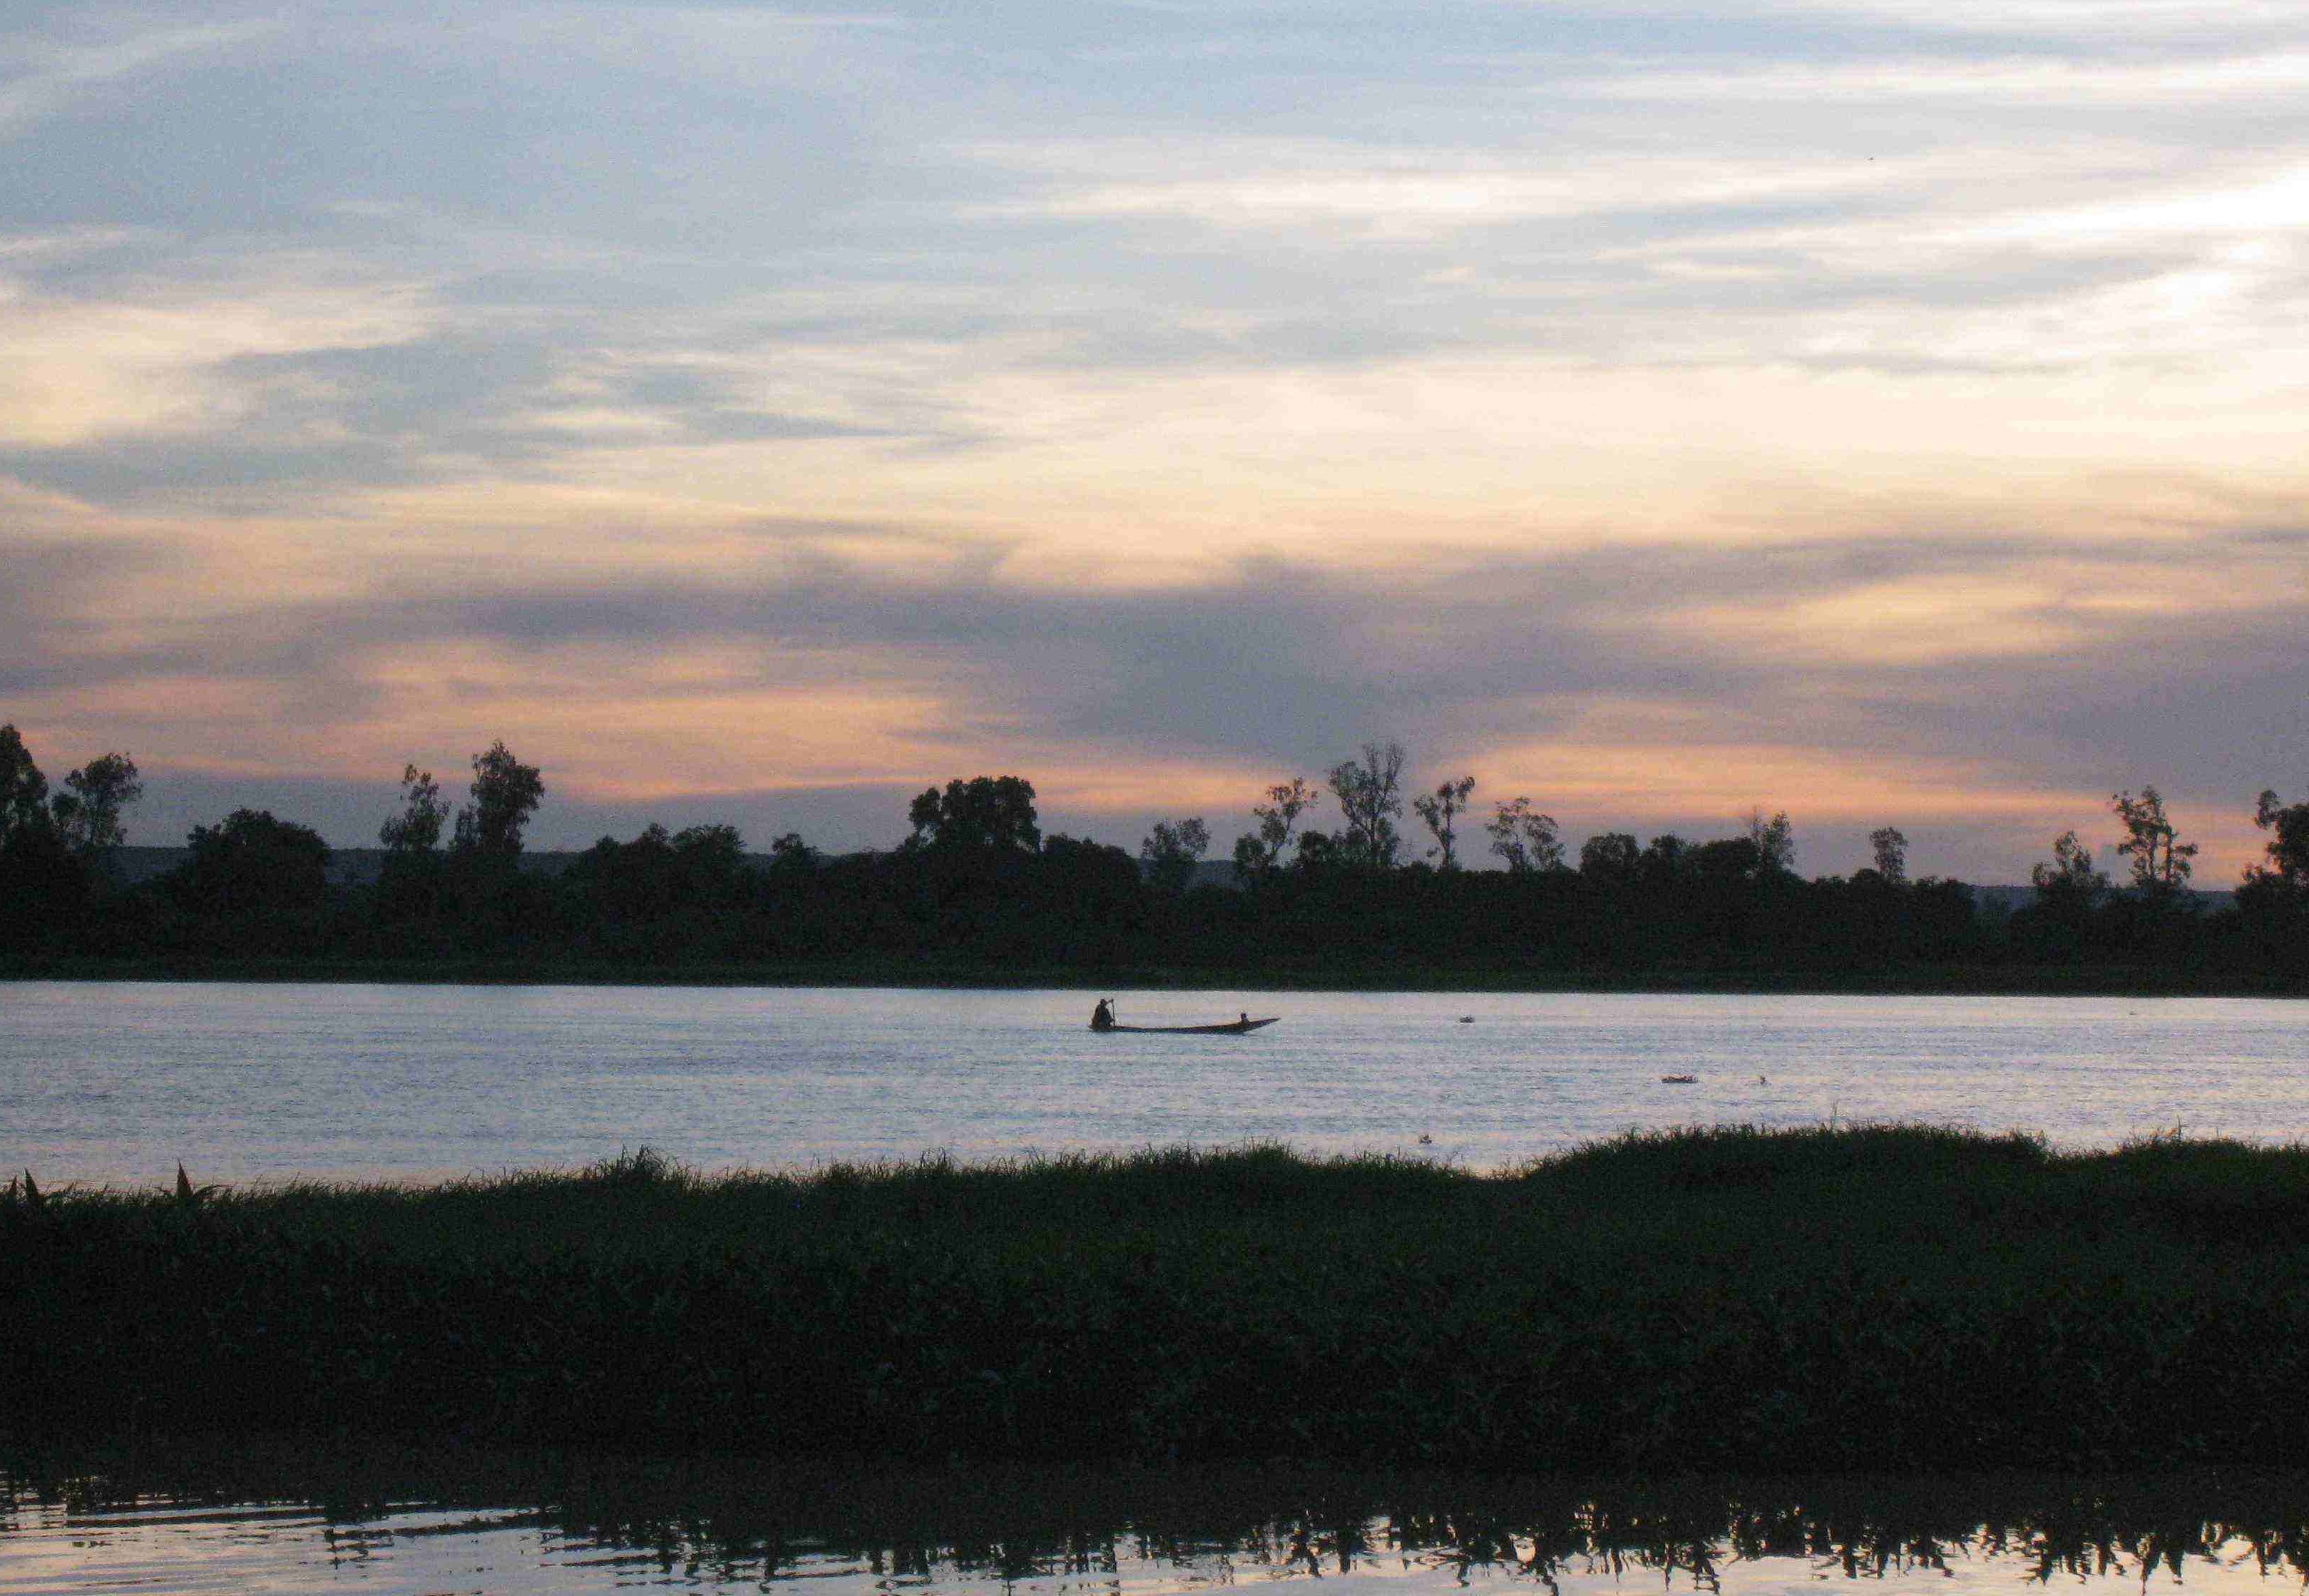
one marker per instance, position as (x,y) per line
(1678,1079)
(1232,1027)
(1466,1019)
(1425,1139)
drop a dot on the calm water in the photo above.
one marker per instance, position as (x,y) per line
(88,1534)
(116,1083)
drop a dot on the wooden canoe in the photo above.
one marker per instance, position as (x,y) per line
(1232,1027)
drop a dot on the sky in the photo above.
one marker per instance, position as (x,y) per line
(1888,413)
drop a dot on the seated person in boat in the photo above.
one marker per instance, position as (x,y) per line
(1102,1018)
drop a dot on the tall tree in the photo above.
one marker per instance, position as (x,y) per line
(1528,840)
(1610,857)
(2160,863)
(505,793)
(417,829)
(1891,850)
(88,811)
(252,864)
(992,813)
(23,790)
(2289,844)
(2069,877)
(790,856)
(43,884)
(1170,853)
(1438,809)
(1258,857)
(1370,792)
(710,849)
(1775,841)
(1663,859)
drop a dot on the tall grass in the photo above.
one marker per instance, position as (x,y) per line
(1877,1296)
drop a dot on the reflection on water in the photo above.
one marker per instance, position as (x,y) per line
(492,1522)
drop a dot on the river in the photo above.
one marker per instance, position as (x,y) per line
(116,1082)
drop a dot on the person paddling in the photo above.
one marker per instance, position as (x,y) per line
(1102,1018)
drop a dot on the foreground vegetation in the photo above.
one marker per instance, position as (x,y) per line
(1891,1298)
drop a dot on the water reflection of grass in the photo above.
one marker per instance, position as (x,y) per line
(1878,1298)
(1126,1527)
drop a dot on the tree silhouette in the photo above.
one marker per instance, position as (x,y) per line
(1258,857)
(711,849)
(1170,853)
(253,863)
(790,855)
(1370,792)
(417,829)
(43,883)
(505,793)
(2288,846)
(990,813)
(1663,859)
(23,790)
(1610,858)
(2070,877)
(1891,850)
(2160,864)
(1732,858)
(659,874)
(1775,841)
(88,811)
(1528,840)
(1438,808)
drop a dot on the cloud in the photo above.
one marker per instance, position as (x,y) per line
(1389,194)
(54,594)
(2091,19)
(75,371)
(2036,85)
(1659,407)
(1675,677)
(43,77)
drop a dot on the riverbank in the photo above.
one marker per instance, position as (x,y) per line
(1885,1298)
(1886,981)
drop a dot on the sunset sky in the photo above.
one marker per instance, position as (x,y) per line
(1888,413)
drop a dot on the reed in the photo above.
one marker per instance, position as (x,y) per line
(1878,1297)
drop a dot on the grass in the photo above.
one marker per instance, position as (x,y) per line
(1873,1298)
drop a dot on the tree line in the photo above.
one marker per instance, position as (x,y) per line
(976,886)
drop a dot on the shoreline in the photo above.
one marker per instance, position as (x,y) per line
(1922,981)
(743,1504)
